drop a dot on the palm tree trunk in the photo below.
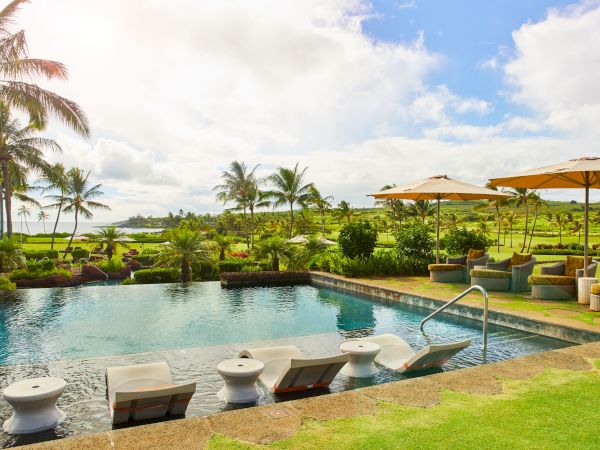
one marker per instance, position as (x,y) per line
(27,226)
(73,235)
(56,223)
(186,273)
(246,228)
(291,220)
(275,263)
(252,226)
(532,230)
(511,245)
(44,225)
(7,197)
(526,224)
(322,223)
(560,234)
(1,212)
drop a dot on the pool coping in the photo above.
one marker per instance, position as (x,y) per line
(514,320)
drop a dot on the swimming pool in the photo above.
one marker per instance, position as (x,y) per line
(41,325)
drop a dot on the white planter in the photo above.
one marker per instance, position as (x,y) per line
(584,285)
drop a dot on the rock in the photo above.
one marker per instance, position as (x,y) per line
(50,282)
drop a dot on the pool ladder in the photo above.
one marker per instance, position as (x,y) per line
(456,299)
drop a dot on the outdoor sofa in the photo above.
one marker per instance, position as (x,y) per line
(559,281)
(510,274)
(456,269)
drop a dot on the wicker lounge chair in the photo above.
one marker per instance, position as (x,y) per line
(287,370)
(145,391)
(510,274)
(397,355)
(558,282)
(456,269)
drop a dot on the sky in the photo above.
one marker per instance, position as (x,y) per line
(364,94)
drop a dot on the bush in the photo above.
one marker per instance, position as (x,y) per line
(112,265)
(232,265)
(204,271)
(150,251)
(242,255)
(41,266)
(152,276)
(41,254)
(331,261)
(385,262)
(27,275)
(127,281)
(143,259)
(7,285)
(78,253)
(250,268)
(458,241)
(415,248)
(357,239)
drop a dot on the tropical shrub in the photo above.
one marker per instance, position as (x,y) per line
(25,274)
(144,260)
(242,255)
(250,268)
(331,261)
(231,264)
(150,251)
(11,255)
(458,241)
(184,247)
(41,266)
(7,285)
(79,253)
(385,262)
(415,248)
(158,275)
(274,250)
(41,254)
(357,239)
(127,281)
(204,271)
(112,265)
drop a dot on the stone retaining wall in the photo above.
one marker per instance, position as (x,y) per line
(266,278)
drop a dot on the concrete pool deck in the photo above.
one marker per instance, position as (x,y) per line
(271,423)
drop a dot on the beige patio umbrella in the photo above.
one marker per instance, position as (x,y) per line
(440,188)
(572,174)
(297,240)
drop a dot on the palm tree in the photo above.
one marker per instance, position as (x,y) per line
(275,249)
(511,219)
(322,204)
(421,209)
(42,217)
(482,226)
(110,238)
(344,211)
(237,184)
(397,210)
(496,204)
(537,203)
(451,220)
(576,227)
(17,91)
(185,246)
(20,150)
(560,220)
(78,198)
(23,212)
(255,198)
(224,244)
(55,179)
(523,197)
(289,189)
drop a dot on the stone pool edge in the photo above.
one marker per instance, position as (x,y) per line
(513,320)
(274,422)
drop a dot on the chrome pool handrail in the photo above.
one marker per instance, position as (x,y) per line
(456,299)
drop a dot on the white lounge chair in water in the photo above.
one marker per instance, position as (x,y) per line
(397,354)
(287,370)
(145,391)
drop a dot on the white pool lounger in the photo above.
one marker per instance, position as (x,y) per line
(145,391)
(397,355)
(287,370)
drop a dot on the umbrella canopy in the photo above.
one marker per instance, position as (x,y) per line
(324,241)
(572,174)
(439,188)
(297,240)
(81,238)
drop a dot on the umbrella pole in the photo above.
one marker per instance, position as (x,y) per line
(437,236)
(585,232)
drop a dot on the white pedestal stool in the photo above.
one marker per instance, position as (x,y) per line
(362,356)
(240,375)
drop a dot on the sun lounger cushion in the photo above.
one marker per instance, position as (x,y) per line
(595,289)
(550,280)
(397,354)
(519,258)
(474,254)
(490,273)
(573,263)
(286,369)
(145,391)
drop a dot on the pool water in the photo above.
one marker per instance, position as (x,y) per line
(42,325)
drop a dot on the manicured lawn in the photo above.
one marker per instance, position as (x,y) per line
(556,410)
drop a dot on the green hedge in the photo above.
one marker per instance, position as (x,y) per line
(562,251)
(79,253)
(7,285)
(144,260)
(41,254)
(152,276)
(232,264)
(38,275)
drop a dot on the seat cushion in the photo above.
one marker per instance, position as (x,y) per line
(474,254)
(595,289)
(445,267)
(489,273)
(573,263)
(519,258)
(551,279)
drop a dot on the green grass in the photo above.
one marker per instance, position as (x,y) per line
(555,410)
